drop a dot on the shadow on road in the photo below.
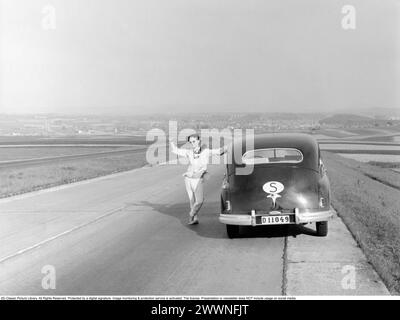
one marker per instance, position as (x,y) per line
(275,231)
(210,227)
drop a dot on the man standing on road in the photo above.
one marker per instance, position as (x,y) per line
(198,157)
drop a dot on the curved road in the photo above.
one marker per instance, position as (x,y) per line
(126,234)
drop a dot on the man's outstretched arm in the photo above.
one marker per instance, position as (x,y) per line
(219,151)
(180,152)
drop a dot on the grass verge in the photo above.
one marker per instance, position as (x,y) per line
(383,164)
(15,181)
(370,208)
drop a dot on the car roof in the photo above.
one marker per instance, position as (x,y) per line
(307,144)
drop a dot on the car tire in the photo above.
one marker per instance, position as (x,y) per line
(232,231)
(322,228)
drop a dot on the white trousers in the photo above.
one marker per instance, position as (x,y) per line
(194,188)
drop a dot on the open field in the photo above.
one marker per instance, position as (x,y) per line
(390,165)
(373,131)
(364,131)
(30,162)
(359,147)
(383,175)
(29,178)
(85,140)
(395,138)
(335,133)
(372,157)
(389,134)
(364,143)
(367,198)
(17,153)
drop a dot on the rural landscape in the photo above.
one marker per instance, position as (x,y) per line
(199,150)
(361,154)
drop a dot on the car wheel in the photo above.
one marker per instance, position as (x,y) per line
(322,228)
(232,231)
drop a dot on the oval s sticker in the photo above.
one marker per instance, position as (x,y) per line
(273,187)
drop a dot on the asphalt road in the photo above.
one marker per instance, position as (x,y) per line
(126,234)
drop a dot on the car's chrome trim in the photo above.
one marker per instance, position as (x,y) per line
(237,219)
(253,217)
(316,216)
(250,220)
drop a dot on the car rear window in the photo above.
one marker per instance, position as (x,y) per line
(272,155)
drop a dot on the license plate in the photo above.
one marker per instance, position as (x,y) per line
(275,220)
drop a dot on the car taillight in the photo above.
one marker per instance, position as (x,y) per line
(228,205)
(225,185)
(322,202)
(322,199)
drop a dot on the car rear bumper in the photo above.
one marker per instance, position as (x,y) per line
(299,217)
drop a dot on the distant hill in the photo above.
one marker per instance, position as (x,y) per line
(345,119)
(375,112)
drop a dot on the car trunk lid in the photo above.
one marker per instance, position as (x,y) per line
(260,190)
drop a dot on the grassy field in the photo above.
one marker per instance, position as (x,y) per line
(370,170)
(21,180)
(359,147)
(373,158)
(24,140)
(385,138)
(366,131)
(388,164)
(367,198)
(19,153)
(335,133)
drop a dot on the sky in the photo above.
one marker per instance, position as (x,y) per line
(144,56)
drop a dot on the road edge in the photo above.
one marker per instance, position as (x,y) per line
(327,265)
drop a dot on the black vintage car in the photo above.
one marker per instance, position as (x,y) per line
(281,180)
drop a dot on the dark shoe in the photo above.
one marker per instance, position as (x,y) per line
(193,220)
